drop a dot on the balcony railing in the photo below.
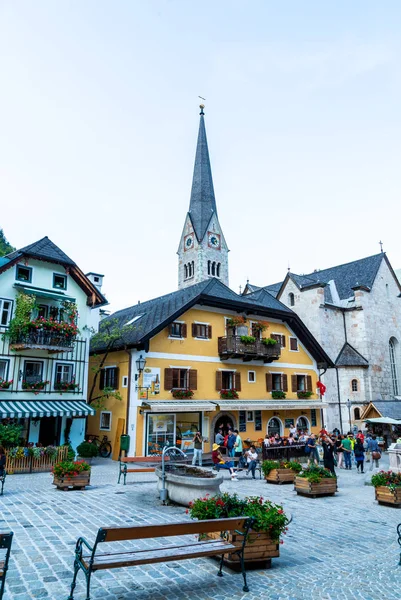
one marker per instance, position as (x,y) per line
(53,341)
(231,346)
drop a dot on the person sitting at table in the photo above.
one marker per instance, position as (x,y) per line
(266,441)
(252,460)
(220,463)
(278,440)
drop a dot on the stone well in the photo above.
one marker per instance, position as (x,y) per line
(182,489)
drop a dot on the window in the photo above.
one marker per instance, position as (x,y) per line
(280,339)
(241,330)
(96,279)
(249,416)
(208,267)
(251,376)
(357,414)
(313,417)
(6,309)
(228,380)
(105,420)
(301,384)
(302,424)
(4,369)
(43,311)
(393,364)
(276,383)
(291,299)
(178,330)
(183,378)
(180,378)
(218,270)
(242,420)
(125,381)
(59,281)
(213,268)
(354,385)
(33,371)
(185,272)
(201,331)
(274,426)
(258,420)
(64,373)
(109,378)
(293,344)
(24,273)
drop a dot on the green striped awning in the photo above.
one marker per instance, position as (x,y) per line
(44,408)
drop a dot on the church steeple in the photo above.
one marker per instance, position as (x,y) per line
(203,251)
(203,202)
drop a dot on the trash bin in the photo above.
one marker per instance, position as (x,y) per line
(124,442)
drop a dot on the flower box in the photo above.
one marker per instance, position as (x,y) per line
(259,549)
(386,495)
(280,476)
(75,482)
(229,394)
(324,487)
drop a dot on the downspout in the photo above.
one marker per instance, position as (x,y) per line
(128,392)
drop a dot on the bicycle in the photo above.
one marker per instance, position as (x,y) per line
(103,445)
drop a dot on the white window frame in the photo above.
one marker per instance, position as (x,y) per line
(106,368)
(254,377)
(105,412)
(352,385)
(7,369)
(64,276)
(175,337)
(282,335)
(292,337)
(202,339)
(9,311)
(307,421)
(63,364)
(250,416)
(124,383)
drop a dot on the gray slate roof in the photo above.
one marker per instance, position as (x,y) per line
(390,409)
(273,289)
(203,203)
(43,249)
(349,357)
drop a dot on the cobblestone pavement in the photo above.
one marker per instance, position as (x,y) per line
(337,547)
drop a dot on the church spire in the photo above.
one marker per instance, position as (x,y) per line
(203,203)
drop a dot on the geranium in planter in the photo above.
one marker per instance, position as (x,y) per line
(260,326)
(315,481)
(276,471)
(182,393)
(236,321)
(278,395)
(387,486)
(75,474)
(5,385)
(67,386)
(229,394)
(35,387)
(270,522)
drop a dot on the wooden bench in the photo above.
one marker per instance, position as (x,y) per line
(5,544)
(2,481)
(89,560)
(137,460)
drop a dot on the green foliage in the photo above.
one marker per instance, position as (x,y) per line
(10,435)
(19,324)
(71,452)
(304,395)
(182,394)
(269,517)
(314,474)
(69,469)
(278,395)
(229,394)
(247,339)
(269,341)
(87,450)
(388,479)
(5,246)
(269,465)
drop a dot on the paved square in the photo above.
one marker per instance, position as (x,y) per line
(337,547)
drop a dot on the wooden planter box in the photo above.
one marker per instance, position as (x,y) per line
(280,476)
(325,487)
(78,482)
(259,550)
(384,495)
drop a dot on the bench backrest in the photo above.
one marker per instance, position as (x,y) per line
(140,532)
(6,540)
(143,459)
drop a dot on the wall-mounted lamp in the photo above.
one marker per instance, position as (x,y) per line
(140,365)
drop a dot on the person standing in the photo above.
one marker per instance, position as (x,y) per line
(219,436)
(359,452)
(347,448)
(313,453)
(198,445)
(328,456)
(230,443)
(339,451)
(237,444)
(375,451)
(252,460)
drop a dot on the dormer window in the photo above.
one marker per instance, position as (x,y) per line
(59,281)
(24,273)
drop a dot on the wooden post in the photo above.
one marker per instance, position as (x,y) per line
(119,432)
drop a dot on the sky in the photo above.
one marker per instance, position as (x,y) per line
(99,119)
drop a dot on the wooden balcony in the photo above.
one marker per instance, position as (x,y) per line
(231,346)
(51,341)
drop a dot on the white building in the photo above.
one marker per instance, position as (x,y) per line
(354,311)
(43,359)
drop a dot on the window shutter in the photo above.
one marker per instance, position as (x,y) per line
(194,330)
(193,379)
(308,383)
(184,330)
(102,378)
(168,379)
(237,379)
(294,383)
(282,341)
(170,329)
(269,382)
(219,380)
(209,331)
(284,384)
(115,378)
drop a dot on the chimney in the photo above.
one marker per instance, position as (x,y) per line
(96,279)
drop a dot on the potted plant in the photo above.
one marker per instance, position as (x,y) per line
(71,474)
(228,394)
(269,341)
(67,386)
(247,340)
(303,395)
(263,540)
(278,395)
(260,326)
(235,321)
(315,481)
(35,387)
(88,451)
(182,393)
(387,486)
(5,385)
(276,471)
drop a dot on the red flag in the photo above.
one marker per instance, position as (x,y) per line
(322,387)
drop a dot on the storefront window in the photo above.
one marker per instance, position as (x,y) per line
(171,430)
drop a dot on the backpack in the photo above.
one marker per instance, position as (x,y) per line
(307,449)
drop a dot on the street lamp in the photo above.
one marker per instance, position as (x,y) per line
(348,405)
(140,365)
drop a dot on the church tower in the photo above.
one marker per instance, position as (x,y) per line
(203,251)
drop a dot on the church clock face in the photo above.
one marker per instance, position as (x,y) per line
(188,242)
(214,240)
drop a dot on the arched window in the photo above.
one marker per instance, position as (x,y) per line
(218,270)
(185,271)
(213,268)
(274,426)
(291,299)
(208,267)
(193,268)
(354,385)
(302,424)
(357,414)
(393,364)
(189,270)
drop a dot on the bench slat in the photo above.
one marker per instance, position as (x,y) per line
(156,555)
(141,470)
(118,534)
(143,459)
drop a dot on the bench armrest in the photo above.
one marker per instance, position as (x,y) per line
(81,541)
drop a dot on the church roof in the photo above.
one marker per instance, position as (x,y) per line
(387,408)
(203,203)
(349,357)
(146,319)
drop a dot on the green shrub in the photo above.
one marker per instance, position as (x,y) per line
(10,435)
(87,450)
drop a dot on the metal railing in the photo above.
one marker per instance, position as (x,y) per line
(283,452)
(43,338)
(231,345)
